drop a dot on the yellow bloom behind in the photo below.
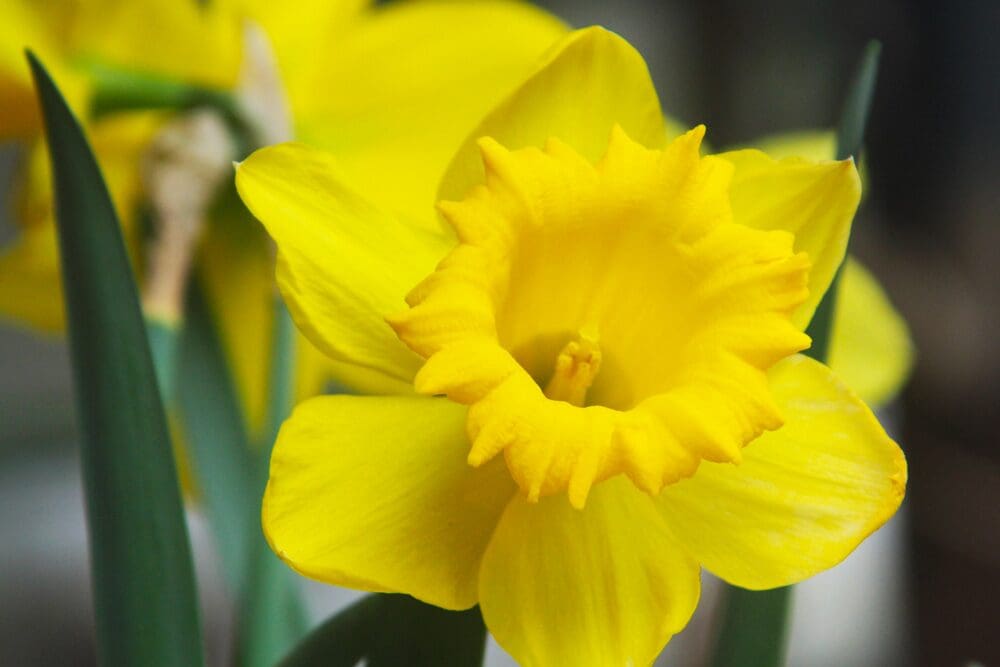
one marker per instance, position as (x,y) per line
(615,316)
(393,90)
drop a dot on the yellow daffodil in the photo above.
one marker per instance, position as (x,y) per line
(391,90)
(602,331)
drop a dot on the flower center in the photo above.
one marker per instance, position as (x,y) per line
(641,248)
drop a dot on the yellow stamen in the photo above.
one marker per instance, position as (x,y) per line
(576,367)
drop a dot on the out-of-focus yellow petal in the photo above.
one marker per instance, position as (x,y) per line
(804,496)
(303,36)
(30,285)
(198,42)
(815,201)
(374,493)
(395,95)
(27,25)
(588,83)
(808,144)
(606,585)
(19,28)
(343,264)
(870,345)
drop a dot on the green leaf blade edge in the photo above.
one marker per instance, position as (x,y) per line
(143,578)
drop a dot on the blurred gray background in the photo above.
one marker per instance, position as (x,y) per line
(924,591)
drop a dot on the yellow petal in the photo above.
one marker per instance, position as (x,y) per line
(237,273)
(870,347)
(395,96)
(606,585)
(301,34)
(590,82)
(815,201)
(374,493)
(193,41)
(804,496)
(20,27)
(808,144)
(30,283)
(343,264)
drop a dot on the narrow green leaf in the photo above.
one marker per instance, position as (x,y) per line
(850,137)
(388,630)
(217,440)
(754,623)
(281,386)
(858,104)
(272,617)
(144,591)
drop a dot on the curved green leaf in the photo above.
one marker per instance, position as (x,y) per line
(850,136)
(388,630)
(230,474)
(144,591)
(217,439)
(272,614)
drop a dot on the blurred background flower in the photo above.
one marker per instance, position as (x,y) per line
(919,594)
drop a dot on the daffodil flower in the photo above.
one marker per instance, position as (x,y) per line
(391,90)
(588,367)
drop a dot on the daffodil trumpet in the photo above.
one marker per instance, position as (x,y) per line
(588,366)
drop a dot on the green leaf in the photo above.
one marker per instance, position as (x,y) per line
(272,614)
(754,623)
(230,474)
(753,628)
(217,440)
(163,347)
(388,630)
(858,104)
(850,136)
(144,591)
